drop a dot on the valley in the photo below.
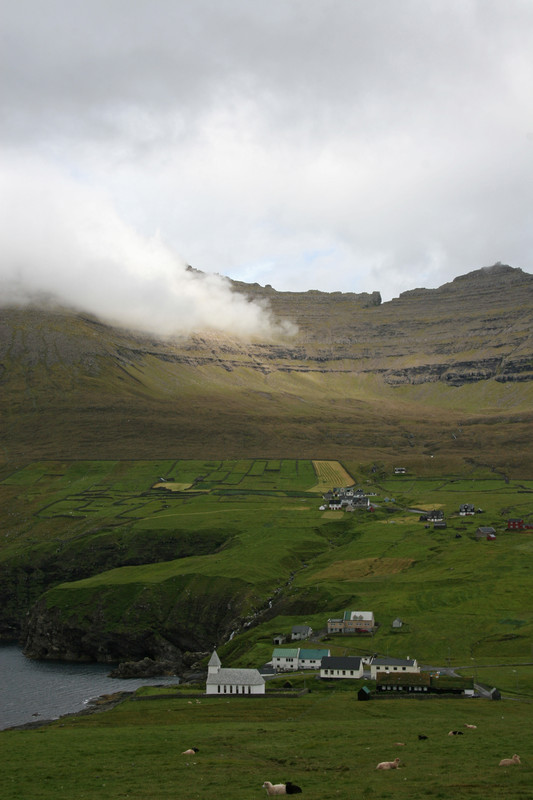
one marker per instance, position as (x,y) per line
(160,497)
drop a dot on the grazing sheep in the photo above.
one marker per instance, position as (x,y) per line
(388,764)
(191,752)
(291,788)
(281,788)
(422,736)
(472,727)
(455,733)
(508,762)
(399,744)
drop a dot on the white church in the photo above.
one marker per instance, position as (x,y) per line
(232,681)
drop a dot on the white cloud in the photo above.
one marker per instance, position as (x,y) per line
(63,238)
(357,147)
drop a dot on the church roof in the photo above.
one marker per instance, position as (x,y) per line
(241,677)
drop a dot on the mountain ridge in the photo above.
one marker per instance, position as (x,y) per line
(461,354)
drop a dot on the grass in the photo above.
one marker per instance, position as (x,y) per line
(326,742)
(252,554)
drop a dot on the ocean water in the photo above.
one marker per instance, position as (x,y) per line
(39,690)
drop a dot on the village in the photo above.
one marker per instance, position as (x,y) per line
(389,674)
(350,499)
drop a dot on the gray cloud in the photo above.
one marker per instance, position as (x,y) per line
(347,145)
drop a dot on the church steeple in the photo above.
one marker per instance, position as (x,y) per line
(214,664)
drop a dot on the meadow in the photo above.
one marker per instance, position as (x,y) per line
(326,742)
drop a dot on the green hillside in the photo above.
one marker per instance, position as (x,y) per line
(120,563)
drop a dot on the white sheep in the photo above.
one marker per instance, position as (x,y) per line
(389,764)
(281,788)
(190,752)
(508,762)
(472,727)
(455,733)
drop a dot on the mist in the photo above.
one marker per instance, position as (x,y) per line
(64,238)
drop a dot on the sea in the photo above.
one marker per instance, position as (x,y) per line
(33,691)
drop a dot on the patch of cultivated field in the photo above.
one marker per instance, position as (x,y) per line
(330,474)
(363,568)
(172,486)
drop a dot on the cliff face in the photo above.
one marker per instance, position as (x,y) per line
(76,622)
(74,387)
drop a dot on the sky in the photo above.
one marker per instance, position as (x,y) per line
(340,145)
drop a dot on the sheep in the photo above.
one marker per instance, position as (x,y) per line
(190,752)
(291,788)
(422,736)
(455,733)
(388,764)
(472,727)
(508,762)
(281,788)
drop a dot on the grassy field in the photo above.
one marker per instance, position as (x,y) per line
(326,742)
(251,535)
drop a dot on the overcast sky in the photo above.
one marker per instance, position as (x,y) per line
(352,145)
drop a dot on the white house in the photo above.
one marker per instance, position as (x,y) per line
(232,681)
(285,658)
(311,659)
(341,667)
(393,665)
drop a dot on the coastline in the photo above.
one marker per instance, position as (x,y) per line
(104,702)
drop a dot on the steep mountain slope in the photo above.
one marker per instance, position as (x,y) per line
(448,370)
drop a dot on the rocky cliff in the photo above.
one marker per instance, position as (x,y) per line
(75,387)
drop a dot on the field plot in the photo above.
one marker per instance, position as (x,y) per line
(330,474)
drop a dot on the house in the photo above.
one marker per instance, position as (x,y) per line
(341,667)
(435,516)
(403,682)
(358,621)
(519,525)
(280,638)
(311,659)
(352,622)
(398,665)
(397,623)
(336,625)
(400,470)
(232,681)
(346,499)
(300,632)
(485,532)
(467,510)
(285,658)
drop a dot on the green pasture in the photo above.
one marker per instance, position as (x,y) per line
(276,553)
(328,743)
